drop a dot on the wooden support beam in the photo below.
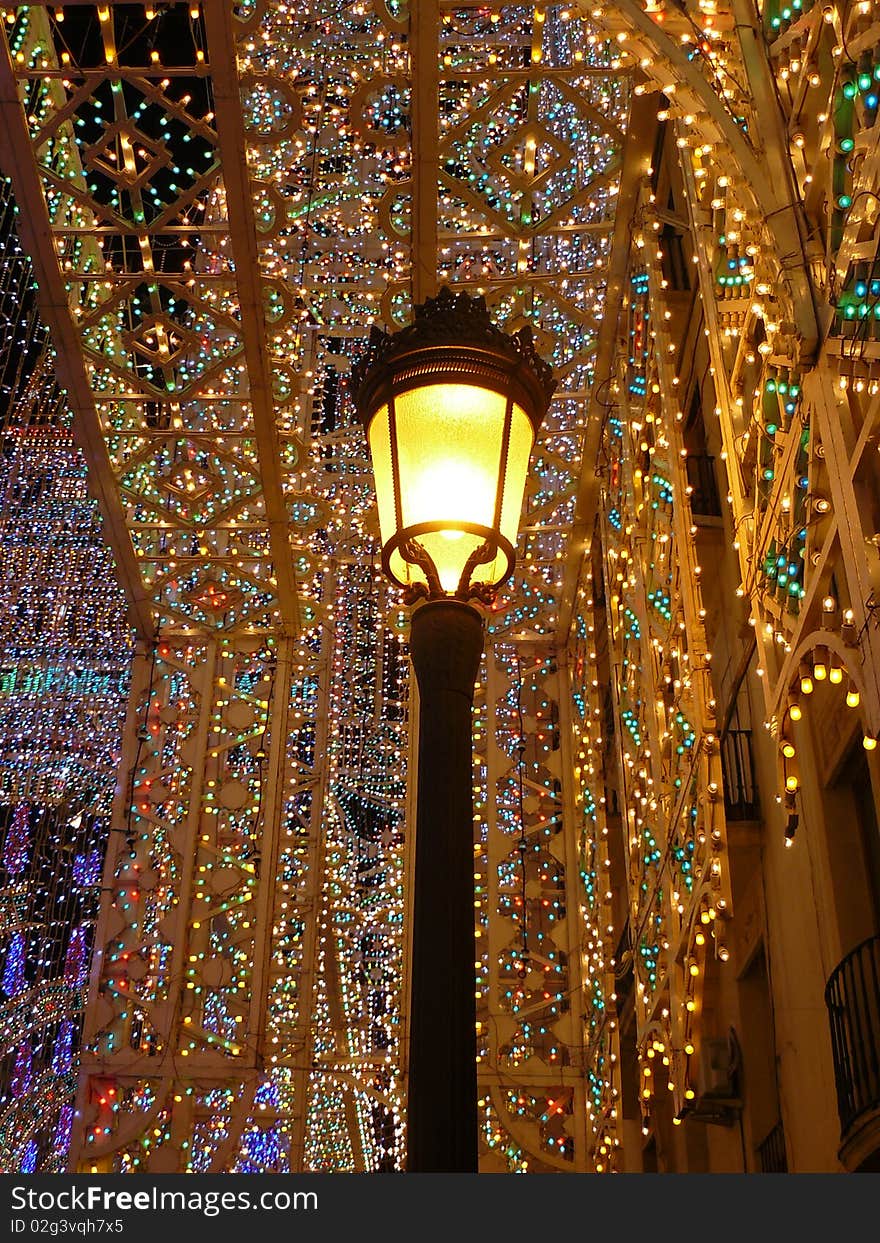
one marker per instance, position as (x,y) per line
(35,229)
(243,234)
(636,162)
(774,193)
(425,114)
(792,232)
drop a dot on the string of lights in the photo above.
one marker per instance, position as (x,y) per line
(63,684)
(247,1008)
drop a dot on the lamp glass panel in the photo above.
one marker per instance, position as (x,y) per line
(379,436)
(522,437)
(449,449)
(449,439)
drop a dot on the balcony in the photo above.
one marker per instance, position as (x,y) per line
(771,1153)
(852,996)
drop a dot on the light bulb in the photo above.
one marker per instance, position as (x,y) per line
(795,712)
(806,677)
(852,697)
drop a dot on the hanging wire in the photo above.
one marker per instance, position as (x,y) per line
(522,847)
(261,755)
(143,735)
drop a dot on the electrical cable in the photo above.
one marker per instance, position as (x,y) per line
(522,846)
(142,737)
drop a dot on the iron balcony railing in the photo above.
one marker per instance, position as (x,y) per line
(852,996)
(771,1152)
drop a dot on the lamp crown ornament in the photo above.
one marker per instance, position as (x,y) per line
(454,319)
(451,405)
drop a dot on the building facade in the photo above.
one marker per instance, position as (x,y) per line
(207,753)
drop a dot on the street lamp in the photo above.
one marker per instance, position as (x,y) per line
(451,406)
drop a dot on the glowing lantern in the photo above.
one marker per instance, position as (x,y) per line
(451,406)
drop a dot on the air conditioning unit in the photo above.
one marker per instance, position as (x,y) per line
(717,1069)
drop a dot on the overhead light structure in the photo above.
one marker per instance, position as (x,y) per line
(451,406)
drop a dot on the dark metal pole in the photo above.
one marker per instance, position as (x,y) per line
(446,645)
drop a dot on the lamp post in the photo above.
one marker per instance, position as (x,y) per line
(451,406)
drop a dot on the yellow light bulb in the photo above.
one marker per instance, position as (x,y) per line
(806,685)
(795,712)
(791,783)
(852,698)
(820,673)
(869,743)
(835,675)
(788,750)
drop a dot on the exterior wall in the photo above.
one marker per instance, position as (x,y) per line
(801,845)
